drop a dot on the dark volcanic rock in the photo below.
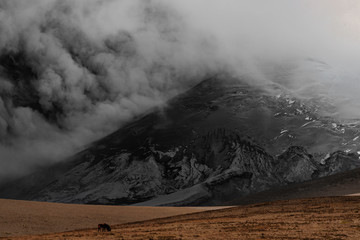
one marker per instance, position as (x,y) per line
(296,165)
(220,140)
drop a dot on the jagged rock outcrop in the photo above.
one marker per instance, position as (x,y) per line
(219,140)
(296,165)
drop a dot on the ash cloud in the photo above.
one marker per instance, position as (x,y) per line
(74,71)
(310,47)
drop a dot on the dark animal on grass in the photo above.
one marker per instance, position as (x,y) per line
(104,227)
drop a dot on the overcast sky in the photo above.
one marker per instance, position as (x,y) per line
(99,63)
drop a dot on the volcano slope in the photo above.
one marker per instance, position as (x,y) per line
(222,139)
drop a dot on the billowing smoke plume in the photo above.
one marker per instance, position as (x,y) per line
(72,71)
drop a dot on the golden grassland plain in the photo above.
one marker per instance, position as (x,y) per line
(315,218)
(26,218)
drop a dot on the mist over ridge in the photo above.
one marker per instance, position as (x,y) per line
(72,72)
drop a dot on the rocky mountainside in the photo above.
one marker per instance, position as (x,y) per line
(222,139)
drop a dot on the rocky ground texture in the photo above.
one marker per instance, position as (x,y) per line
(223,139)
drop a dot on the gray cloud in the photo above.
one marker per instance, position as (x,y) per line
(74,71)
(305,45)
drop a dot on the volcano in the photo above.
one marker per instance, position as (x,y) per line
(222,139)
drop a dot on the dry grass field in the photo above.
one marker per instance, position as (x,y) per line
(315,218)
(19,218)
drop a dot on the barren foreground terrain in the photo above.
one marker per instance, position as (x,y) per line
(316,218)
(19,218)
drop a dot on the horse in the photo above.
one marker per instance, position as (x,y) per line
(103,227)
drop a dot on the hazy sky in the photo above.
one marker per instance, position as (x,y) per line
(99,63)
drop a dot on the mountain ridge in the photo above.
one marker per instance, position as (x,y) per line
(224,138)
